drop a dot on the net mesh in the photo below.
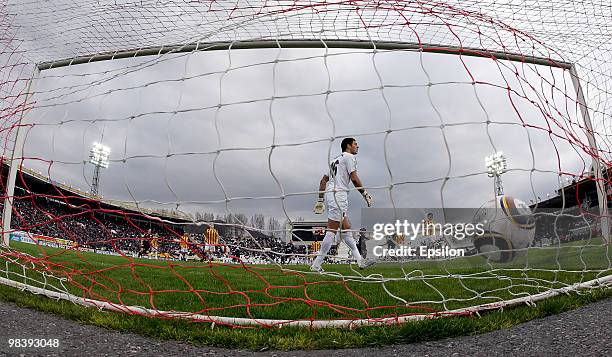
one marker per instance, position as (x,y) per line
(216,150)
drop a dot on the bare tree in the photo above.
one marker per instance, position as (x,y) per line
(208,217)
(274,227)
(239,220)
(230,229)
(258,221)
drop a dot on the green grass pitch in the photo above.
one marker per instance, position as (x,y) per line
(266,291)
(294,293)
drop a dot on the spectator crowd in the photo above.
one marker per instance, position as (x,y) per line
(121,232)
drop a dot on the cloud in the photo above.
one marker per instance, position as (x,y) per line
(275,123)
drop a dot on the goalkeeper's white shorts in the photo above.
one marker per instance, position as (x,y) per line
(337,205)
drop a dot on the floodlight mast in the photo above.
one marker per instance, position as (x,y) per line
(497,166)
(98,156)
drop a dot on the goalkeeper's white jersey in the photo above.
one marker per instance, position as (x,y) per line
(340,169)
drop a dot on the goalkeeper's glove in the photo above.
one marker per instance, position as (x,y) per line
(367,198)
(319,207)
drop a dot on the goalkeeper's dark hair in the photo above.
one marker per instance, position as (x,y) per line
(346,142)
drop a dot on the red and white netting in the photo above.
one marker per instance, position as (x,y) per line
(227,113)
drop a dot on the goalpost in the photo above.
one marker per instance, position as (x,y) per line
(107,77)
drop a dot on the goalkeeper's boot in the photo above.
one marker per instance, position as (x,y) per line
(316,269)
(365,263)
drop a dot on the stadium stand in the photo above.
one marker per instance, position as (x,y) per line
(48,209)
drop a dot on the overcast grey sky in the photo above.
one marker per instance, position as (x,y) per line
(172,109)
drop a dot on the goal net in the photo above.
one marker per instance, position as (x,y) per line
(163,158)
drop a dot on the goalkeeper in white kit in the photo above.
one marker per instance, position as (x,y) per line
(333,193)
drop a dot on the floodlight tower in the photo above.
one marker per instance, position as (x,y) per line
(98,156)
(496,166)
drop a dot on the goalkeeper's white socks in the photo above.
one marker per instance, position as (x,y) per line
(325,246)
(350,242)
(362,263)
